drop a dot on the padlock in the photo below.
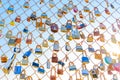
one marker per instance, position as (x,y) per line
(74,19)
(54,58)
(18,19)
(17,48)
(96,32)
(113,39)
(107,11)
(75,33)
(79,47)
(102,66)
(108,59)
(39,22)
(84,70)
(93,73)
(103,50)
(113,28)
(98,55)
(68,25)
(86,1)
(118,23)
(102,26)
(60,69)
(28,19)
(90,48)
(45,43)
(85,59)
(12,23)
(36,63)
(51,3)
(97,12)
(25,30)
(26,4)
(25,61)
(69,35)
(53,73)
(29,38)
(72,67)
(78,75)
(38,49)
(44,15)
(51,38)
(75,9)
(70,5)
(18,68)
(101,38)
(29,78)
(80,25)
(27,53)
(67,46)
(9,34)
(82,35)
(23,75)
(33,16)
(64,9)
(116,67)
(48,64)
(41,70)
(81,15)
(63,28)
(18,38)
(10,9)
(11,41)
(61,63)
(56,46)
(48,21)
(43,28)
(90,38)
(7,67)
(54,27)
(86,9)
(2,23)
(41,1)
(4,58)
(91,17)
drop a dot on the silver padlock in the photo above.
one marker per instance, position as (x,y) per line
(6,69)
(23,75)
(25,61)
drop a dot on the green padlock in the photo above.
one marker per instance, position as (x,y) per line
(25,61)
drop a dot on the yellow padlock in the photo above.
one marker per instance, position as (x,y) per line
(12,23)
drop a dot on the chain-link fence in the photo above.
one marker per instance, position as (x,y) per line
(59,39)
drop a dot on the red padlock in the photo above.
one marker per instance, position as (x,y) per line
(18,19)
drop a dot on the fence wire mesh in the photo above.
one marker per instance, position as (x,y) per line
(18,16)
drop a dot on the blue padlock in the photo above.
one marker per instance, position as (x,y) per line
(84,70)
(41,70)
(68,25)
(85,59)
(75,33)
(25,30)
(79,48)
(90,48)
(33,16)
(36,63)
(17,49)
(56,46)
(72,67)
(48,64)
(61,63)
(18,68)
(27,54)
